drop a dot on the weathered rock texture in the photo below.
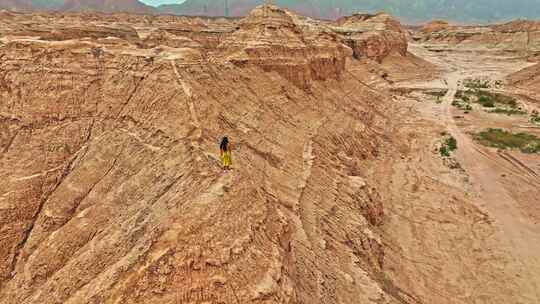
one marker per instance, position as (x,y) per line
(520,35)
(112,190)
(269,38)
(162,37)
(373,36)
(434,26)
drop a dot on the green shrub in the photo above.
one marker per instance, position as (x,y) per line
(486,101)
(535,117)
(508,111)
(462,105)
(507,104)
(502,139)
(476,83)
(449,145)
(444,151)
(498,98)
(437,93)
(532,147)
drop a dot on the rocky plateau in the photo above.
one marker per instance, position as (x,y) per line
(519,35)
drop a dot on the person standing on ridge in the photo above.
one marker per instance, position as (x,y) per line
(226,153)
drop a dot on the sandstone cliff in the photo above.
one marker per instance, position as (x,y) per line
(519,35)
(373,36)
(270,38)
(112,191)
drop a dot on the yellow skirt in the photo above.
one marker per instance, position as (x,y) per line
(227,161)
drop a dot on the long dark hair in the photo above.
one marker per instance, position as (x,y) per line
(224,144)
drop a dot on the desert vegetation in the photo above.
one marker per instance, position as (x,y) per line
(508,111)
(492,102)
(438,94)
(449,145)
(462,104)
(535,117)
(477,83)
(502,139)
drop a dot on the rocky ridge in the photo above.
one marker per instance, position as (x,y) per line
(270,38)
(373,36)
(113,191)
(518,35)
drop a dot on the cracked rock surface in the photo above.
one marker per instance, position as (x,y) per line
(111,189)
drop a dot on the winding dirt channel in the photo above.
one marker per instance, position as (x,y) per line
(505,185)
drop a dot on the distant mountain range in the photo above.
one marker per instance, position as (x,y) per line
(408,10)
(16,4)
(132,6)
(107,6)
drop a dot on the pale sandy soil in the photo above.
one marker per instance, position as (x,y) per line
(503,186)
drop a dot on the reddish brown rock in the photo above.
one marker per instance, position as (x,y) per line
(271,39)
(373,36)
(162,37)
(435,26)
(208,32)
(112,189)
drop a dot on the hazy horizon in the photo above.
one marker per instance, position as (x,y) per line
(161,2)
(477,11)
(409,11)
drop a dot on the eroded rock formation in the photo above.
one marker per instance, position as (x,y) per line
(519,35)
(270,38)
(112,191)
(113,161)
(373,36)
(161,37)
